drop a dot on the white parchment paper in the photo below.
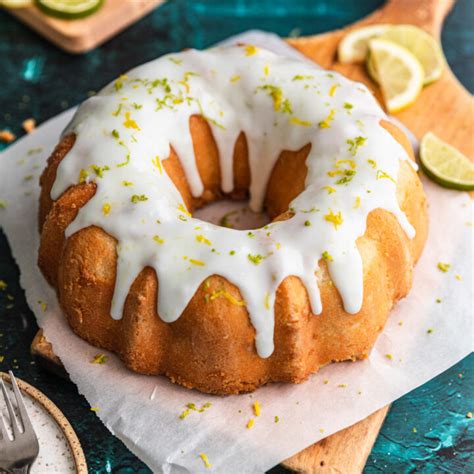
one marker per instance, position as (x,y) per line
(423,338)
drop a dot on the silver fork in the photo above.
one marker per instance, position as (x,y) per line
(17,454)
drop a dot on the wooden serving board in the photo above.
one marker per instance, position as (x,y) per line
(82,35)
(444,108)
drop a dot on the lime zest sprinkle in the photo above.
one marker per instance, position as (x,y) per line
(3,204)
(224,220)
(266,70)
(326,123)
(372,163)
(43,305)
(430,331)
(117,112)
(256,408)
(327,256)
(277,418)
(307,223)
(201,239)
(355,144)
(199,263)
(297,121)
(95,409)
(438,300)
(205,460)
(83,175)
(99,359)
(357,202)
(348,106)
(126,162)
(234,79)
(115,134)
(383,175)
(99,170)
(458,277)
(106,208)
(127,183)
(299,77)
(175,60)
(138,198)
(250,423)
(256,259)
(158,239)
(444,267)
(389,356)
(335,219)
(118,84)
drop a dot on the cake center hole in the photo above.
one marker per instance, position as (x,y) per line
(232,214)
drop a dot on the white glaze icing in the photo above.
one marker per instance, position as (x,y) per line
(280,104)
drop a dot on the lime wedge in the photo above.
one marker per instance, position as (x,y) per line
(426,48)
(446,165)
(399,72)
(353,47)
(15,3)
(69,9)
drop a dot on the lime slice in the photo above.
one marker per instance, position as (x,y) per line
(15,3)
(400,73)
(446,165)
(354,46)
(69,9)
(426,49)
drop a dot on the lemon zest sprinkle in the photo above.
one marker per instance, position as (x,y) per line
(335,219)
(200,238)
(205,460)
(99,359)
(266,301)
(129,122)
(228,296)
(444,267)
(326,123)
(250,423)
(106,208)
(234,79)
(357,202)
(158,239)
(184,210)
(250,50)
(199,263)
(297,121)
(157,162)
(256,408)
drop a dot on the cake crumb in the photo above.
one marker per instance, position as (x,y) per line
(6,136)
(29,125)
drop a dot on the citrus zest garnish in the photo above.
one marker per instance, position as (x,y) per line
(99,359)
(250,50)
(200,238)
(250,423)
(229,297)
(184,210)
(158,239)
(335,219)
(205,460)
(297,121)
(256,408)
(266,300)
(199,263)
(157,162)
(444,267)
(106,209)
(129,122)
(326,123)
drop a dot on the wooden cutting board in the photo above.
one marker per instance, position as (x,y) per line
(82,35)
(444,108)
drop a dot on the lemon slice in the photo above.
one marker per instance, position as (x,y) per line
(353,47)
(15,3)
(399,72)
(426,48)
(69,9)
(446,165)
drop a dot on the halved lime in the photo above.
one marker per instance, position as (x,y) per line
(353,47)
(446,165)
(400,73)
(69,9)
(426,48)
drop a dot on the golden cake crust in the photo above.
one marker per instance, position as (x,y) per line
(211,346)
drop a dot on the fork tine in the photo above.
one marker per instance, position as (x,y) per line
(24,418)
(11,413)
(3,429)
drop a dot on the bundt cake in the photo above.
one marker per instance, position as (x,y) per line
(214,308)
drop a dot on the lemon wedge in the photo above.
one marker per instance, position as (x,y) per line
(353,47)
(444,164)
(399,72)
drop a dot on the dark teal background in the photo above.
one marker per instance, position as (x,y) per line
(425,431)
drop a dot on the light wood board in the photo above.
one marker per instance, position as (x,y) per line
(82,35)
(444,108)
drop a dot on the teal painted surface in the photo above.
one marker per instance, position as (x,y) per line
(425,431)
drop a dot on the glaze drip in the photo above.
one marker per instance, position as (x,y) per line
(125,132)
